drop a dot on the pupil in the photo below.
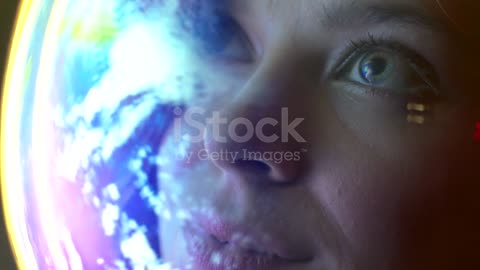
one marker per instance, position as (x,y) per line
(374,67)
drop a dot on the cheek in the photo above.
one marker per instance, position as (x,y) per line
(186,175)
(374,201)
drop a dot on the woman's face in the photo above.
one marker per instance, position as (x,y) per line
(328,135)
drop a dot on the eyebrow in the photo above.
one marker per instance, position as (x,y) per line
(348,14)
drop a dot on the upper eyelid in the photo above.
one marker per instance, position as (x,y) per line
(364,45)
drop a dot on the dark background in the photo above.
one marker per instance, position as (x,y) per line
(8,10)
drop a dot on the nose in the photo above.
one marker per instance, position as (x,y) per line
(265,128)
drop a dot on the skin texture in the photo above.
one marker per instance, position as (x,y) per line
(371,189)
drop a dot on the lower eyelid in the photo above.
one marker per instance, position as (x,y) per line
(370,99)
(364,91)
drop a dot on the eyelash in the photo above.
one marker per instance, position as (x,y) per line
(420,65)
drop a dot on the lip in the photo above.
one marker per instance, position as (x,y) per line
(216,245)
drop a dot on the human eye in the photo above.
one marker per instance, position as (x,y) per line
(219,37)
(388,69)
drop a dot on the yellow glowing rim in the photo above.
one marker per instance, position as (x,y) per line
(17,74)
(17,63)
(11,102)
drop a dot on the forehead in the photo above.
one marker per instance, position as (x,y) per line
(305,9)
(333,15)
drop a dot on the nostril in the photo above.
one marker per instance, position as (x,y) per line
(255,166)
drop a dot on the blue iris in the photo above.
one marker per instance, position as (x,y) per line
(376,67)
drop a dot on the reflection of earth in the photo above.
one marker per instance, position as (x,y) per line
(91,89)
